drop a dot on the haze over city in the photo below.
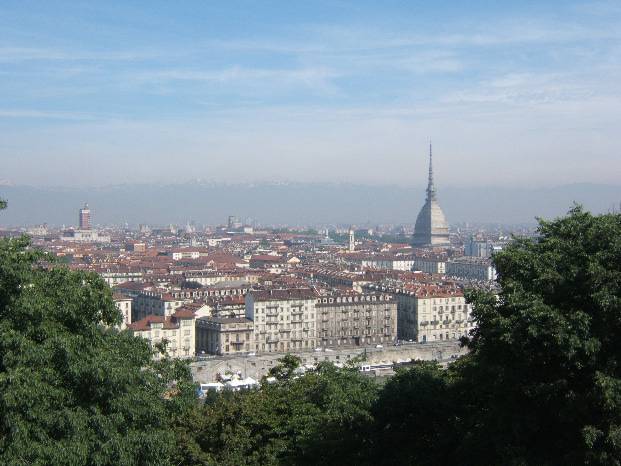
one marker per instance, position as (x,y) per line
(521,95)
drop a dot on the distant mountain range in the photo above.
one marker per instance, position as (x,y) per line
(294,203)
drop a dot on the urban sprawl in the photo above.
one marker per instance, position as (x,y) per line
(236,297)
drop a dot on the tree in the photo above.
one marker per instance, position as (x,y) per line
(544,372)
(286,367)
(315,418)
(73,390)
(413,418)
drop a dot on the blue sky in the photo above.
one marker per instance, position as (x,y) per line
(511,93)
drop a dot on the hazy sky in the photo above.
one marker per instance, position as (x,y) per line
(104,92)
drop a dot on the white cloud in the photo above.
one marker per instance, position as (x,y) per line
(43,114)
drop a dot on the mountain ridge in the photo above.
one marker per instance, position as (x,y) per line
(295,203)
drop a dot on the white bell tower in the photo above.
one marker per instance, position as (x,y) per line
(352,240)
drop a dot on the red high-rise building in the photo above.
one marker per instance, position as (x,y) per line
(85,218)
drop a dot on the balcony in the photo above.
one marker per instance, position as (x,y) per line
(424,322)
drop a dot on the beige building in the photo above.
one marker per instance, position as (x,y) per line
(430,264)
(284,320)
(147,303)
(177,331)
(224,336)
(471,268)
(389,262)
(209,278)
(432,313)
(123,304)
(356,319)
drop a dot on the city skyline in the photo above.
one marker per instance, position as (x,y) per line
(512,95)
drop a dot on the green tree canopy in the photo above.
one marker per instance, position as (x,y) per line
(545,363)
(312,419)
(72,389)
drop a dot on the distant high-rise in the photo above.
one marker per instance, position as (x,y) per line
(352,240)
(85,218)
(431,228)
(233,222)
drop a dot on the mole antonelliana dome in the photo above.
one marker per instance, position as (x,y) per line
(431,228)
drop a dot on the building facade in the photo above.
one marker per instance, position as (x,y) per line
(85,218)
(175,332)
(471,268)
(284,320)
(430,265)
(358,319)
(430,313)
(124,305)
(224,336)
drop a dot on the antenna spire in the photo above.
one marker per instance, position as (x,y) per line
(431,190)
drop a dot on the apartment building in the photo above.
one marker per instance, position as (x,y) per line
(432,313)
(155,303)
(430,264)
(124,305)
(175,331)
(284,319)
(224,335)
(356,319)
(471,268)
(383,261)
(209,278)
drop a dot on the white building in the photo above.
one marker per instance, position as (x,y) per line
(85,236)
(176,332)
(156,303)
(179,254)
(388,262)
(124,305)
(471,268)
(284,320)
(431,264)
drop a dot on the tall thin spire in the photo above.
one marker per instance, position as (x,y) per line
(431,190)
